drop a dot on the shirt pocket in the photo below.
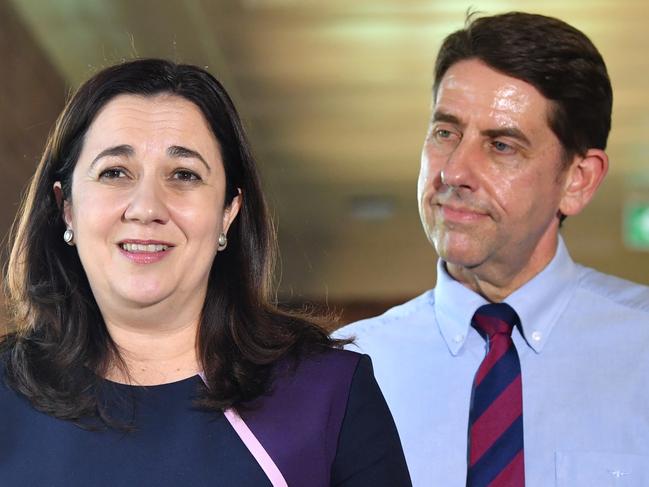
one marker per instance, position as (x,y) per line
(598,469)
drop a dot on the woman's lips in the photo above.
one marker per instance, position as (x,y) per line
(135,247)
(144,251)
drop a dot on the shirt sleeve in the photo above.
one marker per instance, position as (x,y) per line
(369,450)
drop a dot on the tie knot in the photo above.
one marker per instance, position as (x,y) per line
(496,318)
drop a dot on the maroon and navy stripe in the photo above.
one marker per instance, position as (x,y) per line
(496,415)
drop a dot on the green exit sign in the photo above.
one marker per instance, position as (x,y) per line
(636,225)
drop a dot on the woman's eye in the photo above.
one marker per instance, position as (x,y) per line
(112,173)
(185,175)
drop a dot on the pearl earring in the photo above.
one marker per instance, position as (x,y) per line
(68,236)
(223,241)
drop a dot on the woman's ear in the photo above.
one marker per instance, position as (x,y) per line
(63,204)
(232,210)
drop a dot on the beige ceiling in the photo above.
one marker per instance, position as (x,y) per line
(336,96)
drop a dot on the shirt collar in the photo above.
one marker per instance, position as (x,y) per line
(539,302)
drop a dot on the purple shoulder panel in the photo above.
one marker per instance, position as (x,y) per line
(299,422)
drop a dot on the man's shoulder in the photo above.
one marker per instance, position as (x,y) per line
(614,291)
(409,313)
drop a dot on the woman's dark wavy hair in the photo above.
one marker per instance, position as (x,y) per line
(554,57)
(60,348)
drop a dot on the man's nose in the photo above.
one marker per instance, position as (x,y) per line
(147,203)
(459,171)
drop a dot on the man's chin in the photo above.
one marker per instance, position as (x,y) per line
(460,253)
(463,263)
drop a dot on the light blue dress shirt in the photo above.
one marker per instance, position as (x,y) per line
(584,352)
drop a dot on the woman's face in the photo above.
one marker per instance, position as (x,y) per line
(147,204)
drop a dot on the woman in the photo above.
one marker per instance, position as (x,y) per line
(147,350)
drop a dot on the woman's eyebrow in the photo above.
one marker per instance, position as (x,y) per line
(178,151)
(118,150)
(175,151)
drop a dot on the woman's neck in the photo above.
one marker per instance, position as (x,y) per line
(154,355)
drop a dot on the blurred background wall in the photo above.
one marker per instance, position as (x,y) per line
(336,96)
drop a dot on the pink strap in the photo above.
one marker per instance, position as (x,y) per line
(252,443)
(258,451)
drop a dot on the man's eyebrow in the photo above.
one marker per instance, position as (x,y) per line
(512,132)
(178,151)
(118,150)
(439,116)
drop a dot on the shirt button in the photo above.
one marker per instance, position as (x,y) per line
(458,338)
(536,336)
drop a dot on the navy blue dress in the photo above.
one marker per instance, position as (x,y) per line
(176,444)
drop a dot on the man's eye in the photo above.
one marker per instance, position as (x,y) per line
(502,147)
(112,173)
(184,175)
(446,136)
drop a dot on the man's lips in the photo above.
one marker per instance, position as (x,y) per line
(456,213)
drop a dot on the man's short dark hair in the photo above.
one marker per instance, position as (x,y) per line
(554,57)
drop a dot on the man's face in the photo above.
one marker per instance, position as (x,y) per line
(492,178)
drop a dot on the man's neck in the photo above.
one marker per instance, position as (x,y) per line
(496,283)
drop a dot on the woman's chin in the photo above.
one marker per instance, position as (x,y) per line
(140,296)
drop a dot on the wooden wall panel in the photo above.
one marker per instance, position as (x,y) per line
(31,94)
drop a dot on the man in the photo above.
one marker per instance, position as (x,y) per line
(522,109)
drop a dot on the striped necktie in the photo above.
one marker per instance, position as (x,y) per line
(496,415)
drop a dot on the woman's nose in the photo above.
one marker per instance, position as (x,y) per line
(147,203)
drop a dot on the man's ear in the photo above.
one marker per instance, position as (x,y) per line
(582,179)
(232,210)
(63,204)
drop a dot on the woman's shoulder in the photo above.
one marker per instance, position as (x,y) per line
(8,347)
(323,363)
(5,354)
(325,373)
(304,409)
(13,405)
